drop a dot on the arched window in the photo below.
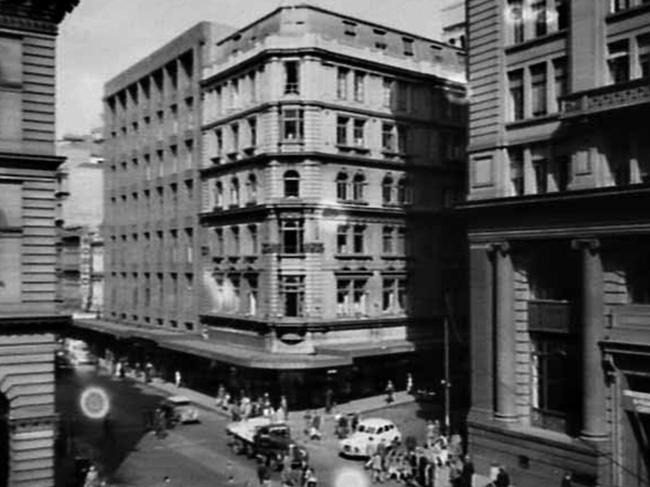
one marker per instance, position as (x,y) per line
(342,186)
(251,185)
(387,190)
(291,184)
(401,191)
(234,192)
(218,194)
(358,183)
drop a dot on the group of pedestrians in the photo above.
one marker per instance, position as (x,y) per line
(246,407)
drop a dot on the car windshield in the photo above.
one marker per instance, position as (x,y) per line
(366,429)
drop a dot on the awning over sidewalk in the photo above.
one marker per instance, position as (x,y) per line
(369,349)
(258,359)
(125,331)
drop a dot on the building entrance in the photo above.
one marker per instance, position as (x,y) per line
(635,435)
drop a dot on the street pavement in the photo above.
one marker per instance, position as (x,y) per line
(197,455)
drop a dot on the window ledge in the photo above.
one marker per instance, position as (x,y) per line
(524,122)
(352,202)
(628,12)
(285,255)
(393,154)
(353,256)
(536,40)
(393,257)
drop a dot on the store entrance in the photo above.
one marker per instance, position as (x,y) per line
(635,437)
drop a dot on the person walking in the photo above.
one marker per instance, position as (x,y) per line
(284,407)
(177,378)
(356,417)
(503,479)
(371,448)
(377,467)
(409,383)
(467,474)
(263,474)
(315,433)
(390,392)
(329,399)
(567,480)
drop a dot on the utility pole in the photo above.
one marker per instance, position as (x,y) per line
(447,383)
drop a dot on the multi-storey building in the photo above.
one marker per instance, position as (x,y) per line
(331,148)
(28,315)
(558,231)
(78,218)
(152,129)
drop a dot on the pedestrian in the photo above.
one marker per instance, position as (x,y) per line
(311,480)
(376,467)
(409,383)
(177,378)
(284,406)
(263,474)
(315,432)
(329,398)
(92,477)
(467,474)
(456,446)
(354,421)
(567,480)
(390,392)
(503,479)
(370,450)
(382,450)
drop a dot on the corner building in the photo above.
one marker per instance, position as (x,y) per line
(332,149)
(28,315)
(558,239)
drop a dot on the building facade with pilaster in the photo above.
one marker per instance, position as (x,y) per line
(332,150)
(558,232)
(28,315)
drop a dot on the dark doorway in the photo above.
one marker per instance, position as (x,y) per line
(4,441)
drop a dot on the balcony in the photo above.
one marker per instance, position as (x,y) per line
(550,315)
(607,98)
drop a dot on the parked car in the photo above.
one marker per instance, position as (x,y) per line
(376,428)
(179,409)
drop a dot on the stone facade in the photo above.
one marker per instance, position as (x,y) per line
(558,163)
(27,236)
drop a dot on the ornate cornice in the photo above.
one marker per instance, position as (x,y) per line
(34,15)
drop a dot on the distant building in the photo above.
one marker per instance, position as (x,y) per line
(79,216)
(28,315)
(559,234)
(454,24)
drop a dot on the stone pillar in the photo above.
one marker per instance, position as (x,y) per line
(481,312)
(593,383)
(506,401)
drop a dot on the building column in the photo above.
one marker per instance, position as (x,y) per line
(506,379)
(593,383)
(481,312)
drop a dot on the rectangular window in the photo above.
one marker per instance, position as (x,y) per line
(234,132)
(562,12)
(342,130)
(349,28)
(359,86)
(380,39)
(619,5)
(359,130)
(218,249)
(400,246)
(402,139)
(252,83)
(516,170)
(235,250)
(538,9)
(540,169)
(253,239)
(342,239)
(561,80)
(234,94)
(516,92)
(387,92)
(538,89)
(402,96)
(618,62)
(292,125)
(351,297)
(388,137)
(408,46)
(218,137)
(252,130)
(515,21)
(643,43)
(358,239)
(342,83)
(291,236)
(291,77)
(393,295)
(252,295)
(293,295)
(563,172)
(387,240)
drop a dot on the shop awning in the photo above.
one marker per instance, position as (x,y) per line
(369,349)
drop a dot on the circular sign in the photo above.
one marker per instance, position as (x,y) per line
(94,402)
(350,477)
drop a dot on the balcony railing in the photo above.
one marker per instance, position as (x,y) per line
(613,97)
(549,315)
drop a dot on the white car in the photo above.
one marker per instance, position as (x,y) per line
(356,444)
(179,409)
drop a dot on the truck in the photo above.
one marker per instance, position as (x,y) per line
(261,437)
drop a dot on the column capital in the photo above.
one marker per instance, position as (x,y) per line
(591,244)
(500,247)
